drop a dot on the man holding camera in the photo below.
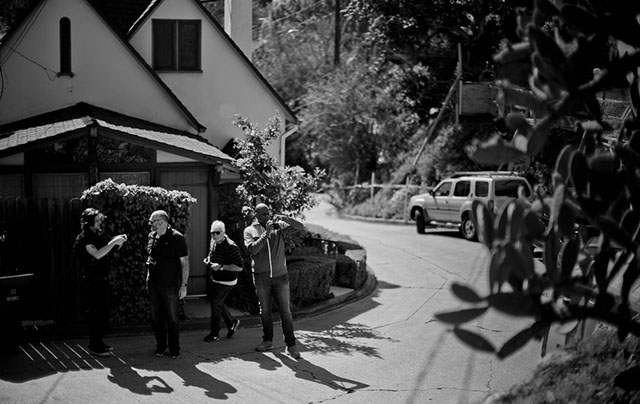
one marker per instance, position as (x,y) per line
(264,239)
(167,276)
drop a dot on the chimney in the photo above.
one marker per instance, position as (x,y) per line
(238,24)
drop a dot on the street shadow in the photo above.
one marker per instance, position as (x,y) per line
(305,370)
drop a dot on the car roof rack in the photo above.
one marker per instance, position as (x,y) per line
(483,174)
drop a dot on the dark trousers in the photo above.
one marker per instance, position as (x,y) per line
(269,289)
(164,306)
(219,310)
(97,311)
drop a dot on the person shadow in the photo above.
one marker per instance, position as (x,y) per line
(306,370)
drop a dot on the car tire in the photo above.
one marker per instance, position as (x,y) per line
(420,221)
(468,229)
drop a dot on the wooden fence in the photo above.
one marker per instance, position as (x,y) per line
(38,239)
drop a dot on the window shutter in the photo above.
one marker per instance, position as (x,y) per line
(65,46)
(189,46)
(164,45)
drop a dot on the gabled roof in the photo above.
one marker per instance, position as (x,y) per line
(73,121)
(153,4)
(107,13)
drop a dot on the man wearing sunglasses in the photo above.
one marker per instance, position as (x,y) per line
(224,262)
(167,276)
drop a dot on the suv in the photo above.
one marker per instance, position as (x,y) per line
(449,203)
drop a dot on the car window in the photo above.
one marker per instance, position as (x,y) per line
(509,188)
(482,189)
(443,189)
(462,188)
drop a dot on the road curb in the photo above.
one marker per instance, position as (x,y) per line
(376,220)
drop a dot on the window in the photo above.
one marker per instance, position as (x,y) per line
(509,188)
(65,47)
(443,189)
(482,189)
(176,45)
(462,188)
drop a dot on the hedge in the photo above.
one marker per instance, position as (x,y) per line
(310,279)
(128,208)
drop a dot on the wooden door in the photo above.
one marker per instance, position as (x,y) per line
(195,182)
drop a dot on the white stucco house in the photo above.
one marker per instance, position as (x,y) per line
(157,81)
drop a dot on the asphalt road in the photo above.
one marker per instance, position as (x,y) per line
(385,348)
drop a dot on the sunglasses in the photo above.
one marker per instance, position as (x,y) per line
(216,232)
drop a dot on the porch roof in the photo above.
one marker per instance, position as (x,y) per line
(74,121)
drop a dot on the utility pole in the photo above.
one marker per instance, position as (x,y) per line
(336,45)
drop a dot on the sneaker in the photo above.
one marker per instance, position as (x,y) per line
(264,346)
(99,352)
(211,338)
(176,355)
(233,328)
(159,352)
(293,351)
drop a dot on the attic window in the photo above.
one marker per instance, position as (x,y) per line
(176,45)
(65,47)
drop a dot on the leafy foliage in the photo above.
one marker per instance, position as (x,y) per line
(128,208)
(596,187)
(285,189)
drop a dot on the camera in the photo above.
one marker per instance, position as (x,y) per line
(276,225)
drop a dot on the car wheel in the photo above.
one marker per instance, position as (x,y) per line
(420,222)
(468,229)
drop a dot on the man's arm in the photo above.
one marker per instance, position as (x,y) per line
(295,224)
(254,245)
(184,263)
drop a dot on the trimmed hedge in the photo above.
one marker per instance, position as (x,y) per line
(351,269)
(310,279)
(128,208)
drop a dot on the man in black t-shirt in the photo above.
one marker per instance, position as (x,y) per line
(92,248)
(167,276)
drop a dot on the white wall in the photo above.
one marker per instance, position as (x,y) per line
(105,72)
(226,86)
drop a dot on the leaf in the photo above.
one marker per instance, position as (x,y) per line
(497,257)
(580,19)
(460,316)
(514,261)
(629,157)
(513,52)
(495,152)
(579,169)
(511,95)
(540,134)
(600,268)
(634,141)
(517,341)
(551,54)
(551,256)
(515,304)
(614,231)
(557,201)
(475,341)
(567,326)
(630,277)
(534,226)
(515,216)
(484,220)
(622,27)
(465,293)
(546,8)
(563,161)
(568,258)
(501,222)
(566,220)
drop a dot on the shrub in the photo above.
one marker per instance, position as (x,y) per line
(310,279)
(128,208)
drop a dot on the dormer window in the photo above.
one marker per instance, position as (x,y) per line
(176,45)
(65,47)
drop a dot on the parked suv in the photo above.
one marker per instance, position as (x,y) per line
(449,203)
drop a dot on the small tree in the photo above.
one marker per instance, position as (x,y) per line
(285,189)
(593,183)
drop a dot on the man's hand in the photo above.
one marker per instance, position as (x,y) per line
(182,293)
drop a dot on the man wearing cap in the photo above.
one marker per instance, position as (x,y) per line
(167,276)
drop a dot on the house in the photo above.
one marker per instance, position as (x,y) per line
(139,91)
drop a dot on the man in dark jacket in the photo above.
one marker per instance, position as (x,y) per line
(224,262)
